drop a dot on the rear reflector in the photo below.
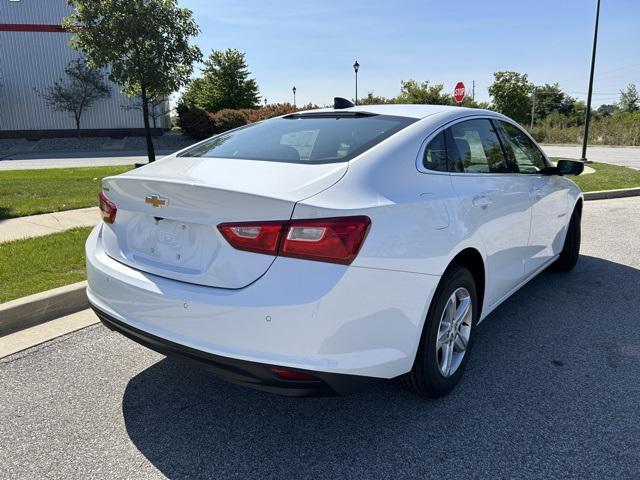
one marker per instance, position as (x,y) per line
(334,240)
(286,374)
(108,209)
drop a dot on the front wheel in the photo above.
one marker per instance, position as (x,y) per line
(447,335)
(571,249)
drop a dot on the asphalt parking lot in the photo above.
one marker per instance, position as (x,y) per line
(552,391)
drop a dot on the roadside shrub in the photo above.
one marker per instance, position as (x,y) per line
(228,119)
(196,122)
(270,111)
(622,128)
(275,110)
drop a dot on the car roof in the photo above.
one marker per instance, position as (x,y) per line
(404,110)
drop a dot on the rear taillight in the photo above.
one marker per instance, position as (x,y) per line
(334,240)
(108,209)
(253,237)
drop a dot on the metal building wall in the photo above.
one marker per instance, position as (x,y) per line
(31,61)
(44,12)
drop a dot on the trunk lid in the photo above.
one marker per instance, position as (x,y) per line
(168,213)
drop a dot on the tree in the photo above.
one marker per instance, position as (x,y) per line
(83,87)
(158,107)
(145,43)
(372,99)
(425,93)
(629,98)
(194,93)
(511,95)
(225,84)
(550,98)
(606,110)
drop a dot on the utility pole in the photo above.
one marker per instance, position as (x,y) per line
(473,90)
(587,115)
(533,105)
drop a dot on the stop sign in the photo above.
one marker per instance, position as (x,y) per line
(458,92)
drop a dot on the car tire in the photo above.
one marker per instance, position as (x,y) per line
(571,248)
(426,378)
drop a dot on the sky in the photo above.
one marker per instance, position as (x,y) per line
(313,44)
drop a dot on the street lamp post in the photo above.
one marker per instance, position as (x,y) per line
(294,90)
(587,115)
(356,67)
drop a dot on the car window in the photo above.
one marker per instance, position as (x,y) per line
(524,152)
(303,138)
(473,147)
(435,155)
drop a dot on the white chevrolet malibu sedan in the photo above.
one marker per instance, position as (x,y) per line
(317,252)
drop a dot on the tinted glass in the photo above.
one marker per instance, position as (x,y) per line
(435,155)
(303,138)
(526,155)
(473,147)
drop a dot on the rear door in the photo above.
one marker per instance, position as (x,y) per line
(496,199)
(548,196)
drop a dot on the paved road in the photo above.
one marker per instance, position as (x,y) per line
(74,159)
(625,156)
(552,391)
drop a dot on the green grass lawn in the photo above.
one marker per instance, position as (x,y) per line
(607,177)
(37,264)
(30,192)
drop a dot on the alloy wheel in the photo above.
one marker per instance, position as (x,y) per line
(454,331)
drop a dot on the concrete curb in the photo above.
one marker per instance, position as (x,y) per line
(41,307)
(606,194)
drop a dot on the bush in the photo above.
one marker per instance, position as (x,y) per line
(196,122)
(275,110)
(228,119)
(621,128)
(270,111)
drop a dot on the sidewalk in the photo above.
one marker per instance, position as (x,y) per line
(47,223)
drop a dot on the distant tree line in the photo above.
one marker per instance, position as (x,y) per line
(547,111)
(146,47)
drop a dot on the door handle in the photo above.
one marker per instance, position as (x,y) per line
(481,201)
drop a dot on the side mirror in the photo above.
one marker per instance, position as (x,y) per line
(569,167)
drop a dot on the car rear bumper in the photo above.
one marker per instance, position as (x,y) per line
(251,374)
(303,315)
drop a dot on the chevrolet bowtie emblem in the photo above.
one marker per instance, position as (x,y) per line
(156,200)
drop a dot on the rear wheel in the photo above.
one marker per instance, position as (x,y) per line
(447,335)
(571,249)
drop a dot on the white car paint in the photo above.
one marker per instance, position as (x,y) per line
(362,319)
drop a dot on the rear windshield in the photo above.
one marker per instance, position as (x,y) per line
(310,138)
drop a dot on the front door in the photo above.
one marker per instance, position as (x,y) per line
(548,198)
